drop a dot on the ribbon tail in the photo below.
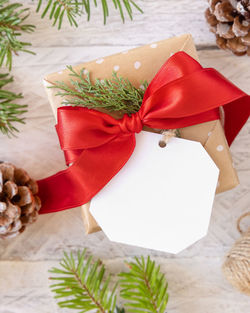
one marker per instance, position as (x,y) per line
(236,115)
(79,183)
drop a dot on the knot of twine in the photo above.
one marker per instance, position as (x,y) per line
(167,135)
(236,267)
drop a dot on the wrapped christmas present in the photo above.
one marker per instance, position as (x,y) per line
(143,64)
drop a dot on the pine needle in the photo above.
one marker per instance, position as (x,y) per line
(12,17)
(58,9)
(144,287)
(83,285)
(9,111)
(115,94)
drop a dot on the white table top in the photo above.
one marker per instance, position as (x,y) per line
(196,284)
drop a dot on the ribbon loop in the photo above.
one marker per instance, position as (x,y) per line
(131,124)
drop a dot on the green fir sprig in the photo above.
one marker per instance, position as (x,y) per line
(58,9)
(115,94)
(144,287)
(83,285)
(10,112)
(12,25)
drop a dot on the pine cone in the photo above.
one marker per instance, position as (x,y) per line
(19,203)
(230,21)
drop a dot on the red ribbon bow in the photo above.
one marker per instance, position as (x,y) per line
(181,94)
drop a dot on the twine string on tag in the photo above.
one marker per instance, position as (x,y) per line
(167,135)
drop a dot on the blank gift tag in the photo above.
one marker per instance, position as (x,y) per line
(162,198)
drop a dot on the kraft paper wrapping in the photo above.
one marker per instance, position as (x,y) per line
(142,64)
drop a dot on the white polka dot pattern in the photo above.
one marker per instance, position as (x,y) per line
(219,148)
(154,45)
(116,68)
(137,65)
(99,61)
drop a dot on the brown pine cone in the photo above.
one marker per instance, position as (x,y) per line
(19,203)
(230,21)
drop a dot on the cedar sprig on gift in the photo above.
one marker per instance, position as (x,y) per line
(12,25)
(10,112)
(57,9)
(85,287)
(115,94)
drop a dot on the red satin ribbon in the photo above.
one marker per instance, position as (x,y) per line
(181,94)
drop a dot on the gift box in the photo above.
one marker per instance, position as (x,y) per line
(142,64)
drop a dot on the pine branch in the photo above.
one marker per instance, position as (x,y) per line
(12,17)
(57,9)
(83,285)
(144,287)
(115,94)
(9,111)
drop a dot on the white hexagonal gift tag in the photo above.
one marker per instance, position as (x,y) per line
(162,198)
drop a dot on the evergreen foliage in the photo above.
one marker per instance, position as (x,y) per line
(12,25)
(84,286)
(115,94)
(13,16)
(9,111)
(82,283)
(58,9)
(144,287)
